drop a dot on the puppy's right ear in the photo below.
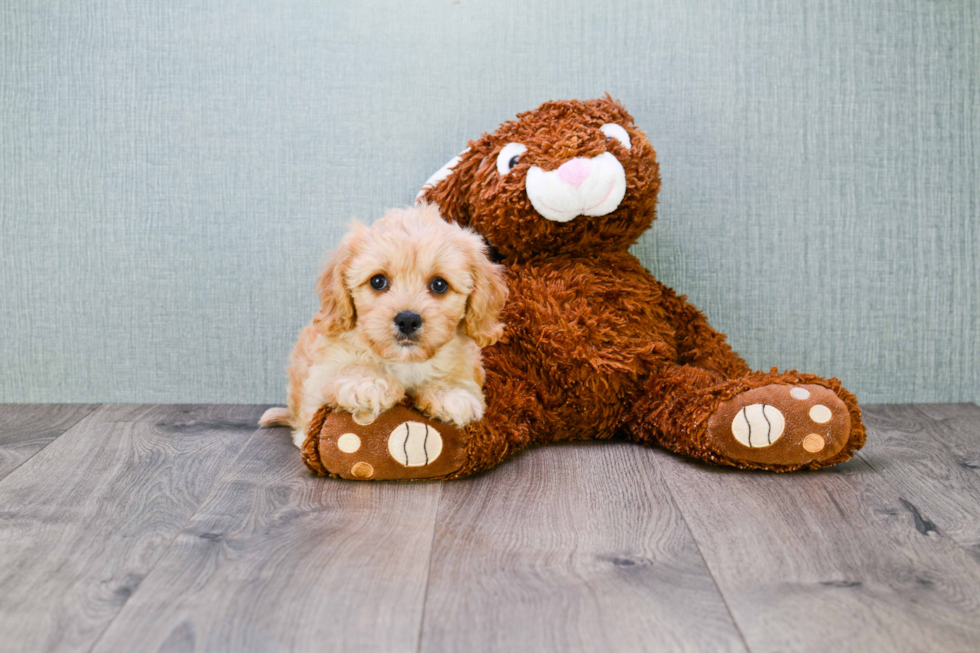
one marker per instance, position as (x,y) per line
(450,186)
(336,314)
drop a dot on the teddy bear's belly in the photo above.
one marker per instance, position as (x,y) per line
(586,338)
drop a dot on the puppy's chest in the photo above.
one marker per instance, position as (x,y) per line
(353,352)
(414,375)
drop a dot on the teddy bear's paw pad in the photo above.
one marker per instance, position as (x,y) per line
(401,444)
(781,424)
(763,421)
(414,444)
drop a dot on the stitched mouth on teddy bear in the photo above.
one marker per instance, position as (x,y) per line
(580,186)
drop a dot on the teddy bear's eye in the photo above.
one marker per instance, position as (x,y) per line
(509,157)
(379,282)
(612,130)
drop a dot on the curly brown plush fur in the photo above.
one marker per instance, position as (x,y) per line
(595,347)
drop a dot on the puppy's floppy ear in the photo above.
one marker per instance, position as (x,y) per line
(450,186)
(336,314)
(482,319)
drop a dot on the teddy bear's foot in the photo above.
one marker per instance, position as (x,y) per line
(401,444)
(780,426)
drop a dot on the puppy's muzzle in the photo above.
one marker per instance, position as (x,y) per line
(408,323)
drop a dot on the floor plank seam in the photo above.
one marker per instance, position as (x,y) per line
(163,552)
(724,599)
(428,569)
(75,424)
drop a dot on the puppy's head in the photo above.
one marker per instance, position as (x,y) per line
(408,283)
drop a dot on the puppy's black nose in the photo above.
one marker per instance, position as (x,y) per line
(408,322)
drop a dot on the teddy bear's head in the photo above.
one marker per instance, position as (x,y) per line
(570,177)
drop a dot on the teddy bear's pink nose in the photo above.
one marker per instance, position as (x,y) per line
(574,172)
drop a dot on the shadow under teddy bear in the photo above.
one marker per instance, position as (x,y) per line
(595,347)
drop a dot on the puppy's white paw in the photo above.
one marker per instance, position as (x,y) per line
(453,405)
(365,397)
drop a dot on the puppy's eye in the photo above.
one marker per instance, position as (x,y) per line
(612,130)
(379,282)
(438,285)
(509,157)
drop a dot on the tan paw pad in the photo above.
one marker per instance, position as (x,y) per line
(362,470)
(813,443)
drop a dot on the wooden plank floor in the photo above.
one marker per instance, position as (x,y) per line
(185,528)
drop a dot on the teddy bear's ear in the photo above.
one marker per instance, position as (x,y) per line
(449,186)
(440,174)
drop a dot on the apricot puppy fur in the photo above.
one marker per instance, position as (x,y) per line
(406,306)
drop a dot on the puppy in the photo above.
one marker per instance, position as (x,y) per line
(406,306)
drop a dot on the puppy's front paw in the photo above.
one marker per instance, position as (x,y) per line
(365,397)
(453,406)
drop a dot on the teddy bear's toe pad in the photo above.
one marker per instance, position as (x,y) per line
(401,444)
(781,424)
(414,444)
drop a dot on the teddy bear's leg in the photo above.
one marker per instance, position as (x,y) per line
(773,421)
(404,444)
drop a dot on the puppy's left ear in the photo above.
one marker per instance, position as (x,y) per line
(482,319)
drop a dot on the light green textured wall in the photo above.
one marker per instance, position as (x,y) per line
(171,173)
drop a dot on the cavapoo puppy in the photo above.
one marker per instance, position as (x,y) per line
(406,306)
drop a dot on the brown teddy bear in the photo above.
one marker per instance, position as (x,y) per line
(595,347)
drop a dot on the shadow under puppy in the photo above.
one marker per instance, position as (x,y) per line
(406,306)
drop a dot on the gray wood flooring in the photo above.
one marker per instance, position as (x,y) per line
(185,528)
